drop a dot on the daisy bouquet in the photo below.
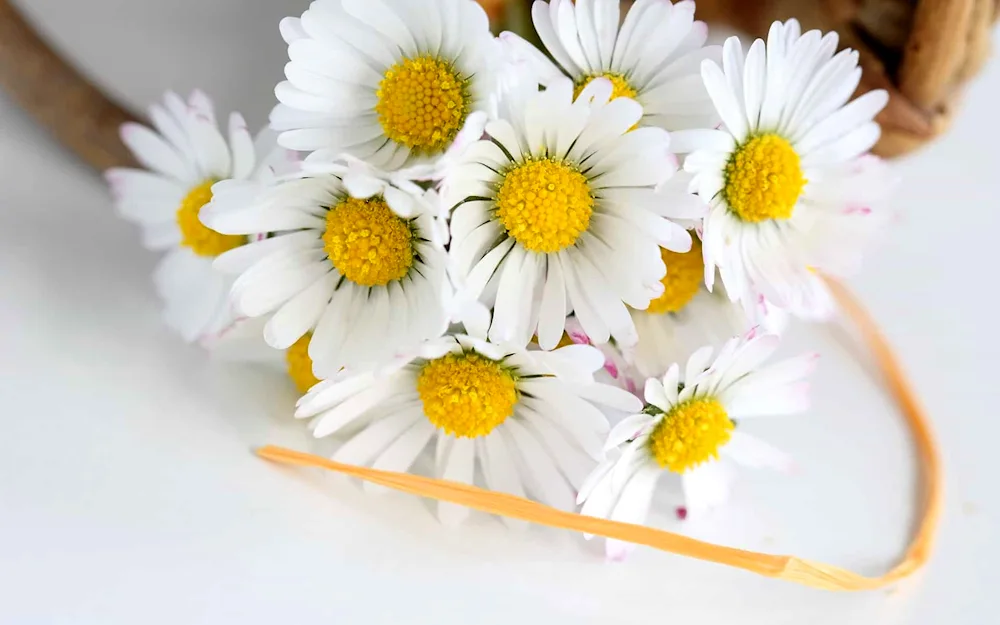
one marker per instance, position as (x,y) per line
(559,272)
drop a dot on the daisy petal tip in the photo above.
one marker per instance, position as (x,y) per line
(615,554)
(612,369)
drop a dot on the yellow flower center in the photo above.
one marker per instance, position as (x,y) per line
(545,204)
(422,103)
(367,242)
(202,240)
(620,85)
(763,179)
(683,279)
(690,434)
(466,395)
(300,365)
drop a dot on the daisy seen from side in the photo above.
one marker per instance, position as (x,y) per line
(184,154)
(530,421)
(654,57)
(791,194)
(562,208)
(687,316)
(686,428)
(399,84)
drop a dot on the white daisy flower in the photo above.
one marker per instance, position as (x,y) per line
(686,429)
(530,420)
(562,209)
(396,83)
(688,316)
(789,195)
(243,342)
(185,154)
(653,58)
(353,259)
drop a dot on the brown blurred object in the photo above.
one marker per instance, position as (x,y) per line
(496,9)
(921,51)
(57,95)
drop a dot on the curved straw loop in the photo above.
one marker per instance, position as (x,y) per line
(789,568)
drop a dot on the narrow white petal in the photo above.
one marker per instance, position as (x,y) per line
(459,467)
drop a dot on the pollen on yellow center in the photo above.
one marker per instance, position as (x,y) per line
(467,395)
(620,85)
(422,103)
(545,204)
(690,434)
(300,365)
(367,242)
(195,235)
(763,179)
(684,275)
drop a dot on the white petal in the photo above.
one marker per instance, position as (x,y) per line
(705,487)
(499,470)
(752,452)
(541,475)
(300,314)
(403,452)
(627,429)
(552,314)
(156,154)
(459,467)
(633,506)
(374,439)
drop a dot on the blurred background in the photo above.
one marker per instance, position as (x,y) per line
(128,492)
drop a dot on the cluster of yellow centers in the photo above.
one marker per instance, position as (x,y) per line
(467,395)
(367,242)
(691,433)
(620,85)
(763,179)
(422,103)
(300,365)
(545,204)
(683,279)
(201,239)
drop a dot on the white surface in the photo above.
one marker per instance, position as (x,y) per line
(128,493)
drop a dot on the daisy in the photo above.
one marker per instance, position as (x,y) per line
(687,427)
(353,259)
(530,420)
(653,58)
(184,154)
(558,210)
(399,84)
(790,196)
(688,315)
(243,342)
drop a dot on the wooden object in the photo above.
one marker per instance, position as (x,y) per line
(57,95)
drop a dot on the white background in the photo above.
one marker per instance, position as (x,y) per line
(128,493)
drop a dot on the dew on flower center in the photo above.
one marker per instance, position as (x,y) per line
(763,179)
(545,204)
(300,365)
(195,235)
(684,275)
(367,242)
(466,395)
(620,85)
(422,103)
(690,434)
